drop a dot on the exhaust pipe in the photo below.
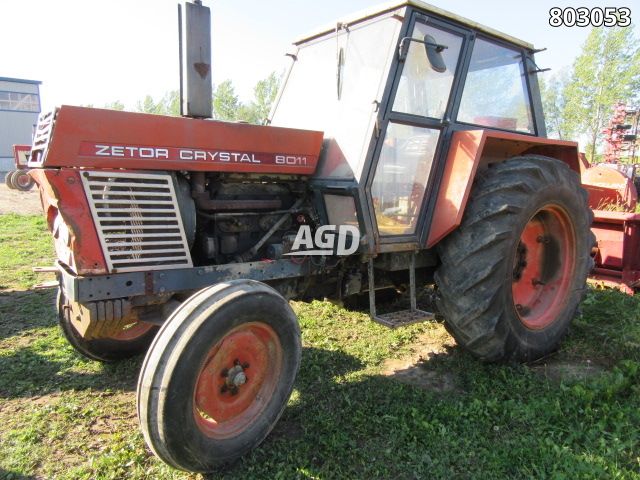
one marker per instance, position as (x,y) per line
(196,89)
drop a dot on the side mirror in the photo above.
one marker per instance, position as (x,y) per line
(434,54)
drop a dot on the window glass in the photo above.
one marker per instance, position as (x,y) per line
(333,86)
(341,210)
(23,102)
(401,177)
(495,92)
(422,90)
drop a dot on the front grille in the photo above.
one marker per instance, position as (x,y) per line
(138,220)
(41,137)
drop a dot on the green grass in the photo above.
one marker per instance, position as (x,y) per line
(24,243)
(574,415)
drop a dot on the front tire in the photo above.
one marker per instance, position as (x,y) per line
(218,375)
(132,341)
(514,272)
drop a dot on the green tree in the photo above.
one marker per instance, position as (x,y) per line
(170,103)
(265,93)
(607,70)
(148,105)
(553,104)
(227,106)
(225,102)
(116,105)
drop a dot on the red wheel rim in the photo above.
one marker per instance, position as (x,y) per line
(23,179)
(543,267)
(237,380)
(132,331)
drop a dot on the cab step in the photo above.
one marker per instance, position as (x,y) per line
(403,317)
(400,317)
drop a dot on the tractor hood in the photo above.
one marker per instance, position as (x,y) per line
(96,138)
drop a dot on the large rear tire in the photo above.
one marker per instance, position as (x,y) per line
(513,274)
(132,341)
(218,375)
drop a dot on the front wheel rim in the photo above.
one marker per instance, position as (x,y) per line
(238,378)
(543,267)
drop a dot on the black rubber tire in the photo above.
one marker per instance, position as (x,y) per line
(102,350)
(22,181)
(7,179)
(475,277)
(168,378)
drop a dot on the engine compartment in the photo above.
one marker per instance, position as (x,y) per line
(236,218)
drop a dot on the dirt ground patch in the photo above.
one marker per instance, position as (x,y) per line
(566,370)
(22,203)
(414,369)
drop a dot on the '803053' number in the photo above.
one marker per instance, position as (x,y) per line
(594,17)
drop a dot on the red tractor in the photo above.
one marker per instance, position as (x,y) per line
(406,148)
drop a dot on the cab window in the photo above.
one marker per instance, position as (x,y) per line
(495,91)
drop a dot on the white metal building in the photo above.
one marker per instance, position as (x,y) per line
(19,109)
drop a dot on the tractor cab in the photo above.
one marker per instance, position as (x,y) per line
(389,88)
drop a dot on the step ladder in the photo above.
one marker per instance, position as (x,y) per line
(399,317)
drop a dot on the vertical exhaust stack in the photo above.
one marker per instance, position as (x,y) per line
(195,59)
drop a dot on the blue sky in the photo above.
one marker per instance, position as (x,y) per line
(99,51)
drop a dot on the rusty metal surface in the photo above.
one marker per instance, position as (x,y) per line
(101,319)
(92,288)
(196,70)
(69,220)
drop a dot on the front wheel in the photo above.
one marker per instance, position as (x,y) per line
(218,375)
(132,340)
(513,274)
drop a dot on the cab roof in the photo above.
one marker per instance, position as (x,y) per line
(426,7)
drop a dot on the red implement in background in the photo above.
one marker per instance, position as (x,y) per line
(617,254)
(617,230)
(609,188)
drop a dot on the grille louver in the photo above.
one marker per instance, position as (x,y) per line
(138,221)
(41,137)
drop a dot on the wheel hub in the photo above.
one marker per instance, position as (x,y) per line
(237,379)
(234,377)
(543,267)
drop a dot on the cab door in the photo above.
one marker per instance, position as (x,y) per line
(414,130)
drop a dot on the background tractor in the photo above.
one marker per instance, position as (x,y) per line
(19,178)
(413,132)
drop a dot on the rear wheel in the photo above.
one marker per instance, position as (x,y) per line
(21,180)
(132,340)
(219,375)
(7,179)
(514,273)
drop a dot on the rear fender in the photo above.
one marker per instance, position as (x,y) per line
(473,149)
